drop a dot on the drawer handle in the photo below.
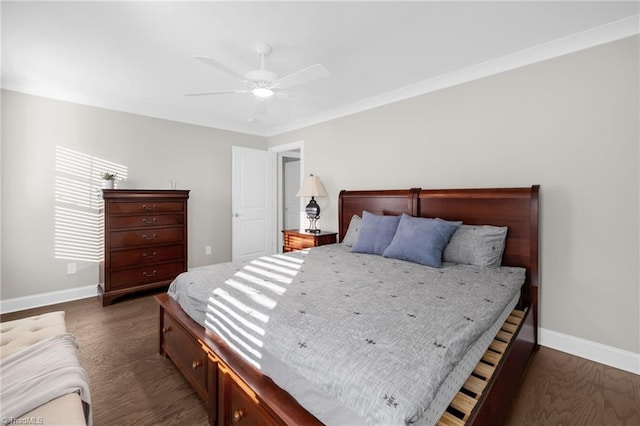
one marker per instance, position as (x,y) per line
(149,209)
(146,237)
(153,274)
(149,256)
(237,415)
(165,330)
(195,365)
(149,222)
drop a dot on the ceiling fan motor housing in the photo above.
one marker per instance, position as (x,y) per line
(261,78)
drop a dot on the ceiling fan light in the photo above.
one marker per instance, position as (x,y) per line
(262,92)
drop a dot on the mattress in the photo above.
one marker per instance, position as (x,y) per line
(355,338)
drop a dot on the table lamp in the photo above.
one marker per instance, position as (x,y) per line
(312,187)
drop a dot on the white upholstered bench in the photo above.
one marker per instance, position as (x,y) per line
(20,334)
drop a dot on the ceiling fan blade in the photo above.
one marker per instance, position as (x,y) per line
(217,65)
(218,92)
(305,75)
(280,94)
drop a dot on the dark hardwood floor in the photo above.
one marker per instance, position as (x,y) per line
(562,389)
(132,385)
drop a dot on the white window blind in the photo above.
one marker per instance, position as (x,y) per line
(79,223)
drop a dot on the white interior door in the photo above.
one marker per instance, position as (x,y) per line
(252,203)
(291,202)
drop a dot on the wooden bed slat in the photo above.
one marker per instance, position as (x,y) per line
(483,370)
(504,336)
(513,319)
(498,346)
(491,357)
(463,403)
(450,420)
(475,385)
(511,328)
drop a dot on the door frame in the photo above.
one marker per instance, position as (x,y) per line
(278,206)
(284,158)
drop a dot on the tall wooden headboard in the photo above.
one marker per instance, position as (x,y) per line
(516,208)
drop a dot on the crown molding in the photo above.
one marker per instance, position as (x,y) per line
(575,42)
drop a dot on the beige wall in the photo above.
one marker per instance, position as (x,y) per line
(154,150)
(570,124)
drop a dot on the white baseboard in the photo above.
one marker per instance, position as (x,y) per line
(597,352)
(49,298)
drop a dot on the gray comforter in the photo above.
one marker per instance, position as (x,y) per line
(374,335)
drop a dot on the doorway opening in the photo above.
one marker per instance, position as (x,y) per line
(289,175)
(290,186)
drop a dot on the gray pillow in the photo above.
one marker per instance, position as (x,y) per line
(421,240)
(479,245)
(352,232)
(376,233)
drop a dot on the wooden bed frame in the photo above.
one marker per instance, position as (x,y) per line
(236,393)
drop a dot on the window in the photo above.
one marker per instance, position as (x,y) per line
(79,223)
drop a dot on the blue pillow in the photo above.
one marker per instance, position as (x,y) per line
(421,240)
(376,233)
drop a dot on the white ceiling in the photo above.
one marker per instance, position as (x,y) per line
(138,56)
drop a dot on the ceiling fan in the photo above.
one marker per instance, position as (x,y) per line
(262,82)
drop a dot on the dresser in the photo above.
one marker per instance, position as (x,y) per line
(295,239)
(145,240)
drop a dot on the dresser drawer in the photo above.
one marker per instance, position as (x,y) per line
(146,274)
(145,207)
(140,221)
(122,258)
(240,409)
(187,354)
(295,242)
(146,237)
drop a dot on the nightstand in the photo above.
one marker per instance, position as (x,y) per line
(294,239)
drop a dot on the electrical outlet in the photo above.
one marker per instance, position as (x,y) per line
(207,250)
(72,268)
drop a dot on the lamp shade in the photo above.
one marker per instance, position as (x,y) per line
(312,187)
